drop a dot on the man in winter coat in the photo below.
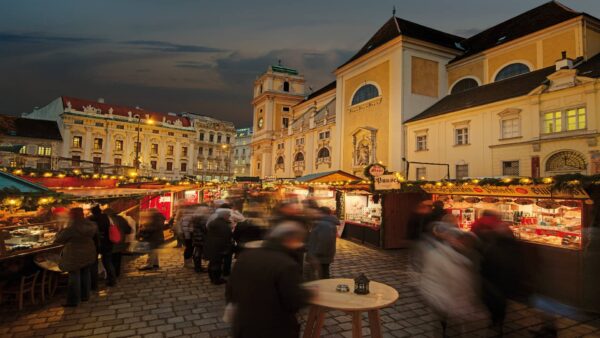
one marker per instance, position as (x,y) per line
(321,242)
(105,248)
(218,246)
(78,255)
(199,235)
(265,287)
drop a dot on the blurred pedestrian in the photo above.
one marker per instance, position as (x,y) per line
(246,231)
(186,213)
(78,255)
(151,231)
(121,247)
(199,234)
(265,287)
(500,269)
(321,242)
(105,247)
(218,245)
(418,219)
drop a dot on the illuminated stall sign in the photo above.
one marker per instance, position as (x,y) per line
(533,191)
(386,182)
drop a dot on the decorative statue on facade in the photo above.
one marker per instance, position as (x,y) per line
(363,153)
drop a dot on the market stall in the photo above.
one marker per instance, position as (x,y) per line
(548,223)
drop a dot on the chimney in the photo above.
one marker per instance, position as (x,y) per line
(100,100)
(564,62)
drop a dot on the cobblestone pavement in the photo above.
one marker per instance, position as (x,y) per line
(176,302)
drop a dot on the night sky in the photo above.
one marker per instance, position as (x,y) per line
(199,55)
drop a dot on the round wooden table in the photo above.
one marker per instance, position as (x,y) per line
(380,296)
(253,245)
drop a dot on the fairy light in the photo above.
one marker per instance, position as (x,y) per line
(507,180)
(48,174)
(525,181)
(547,180)
(475,181)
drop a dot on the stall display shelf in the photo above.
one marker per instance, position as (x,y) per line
(26,239)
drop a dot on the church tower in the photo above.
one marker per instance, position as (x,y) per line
(275,92)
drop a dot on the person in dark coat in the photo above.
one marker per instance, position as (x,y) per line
(265,287)
(218,245)
(105,247)
(152,225)
(244,232)
(199,235)
(118,248)
(78,255)
(321,242)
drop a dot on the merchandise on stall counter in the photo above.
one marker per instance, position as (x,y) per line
(546,221)
(361,208)
(26,237)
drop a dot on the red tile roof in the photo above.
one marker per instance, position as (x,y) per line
(79,104)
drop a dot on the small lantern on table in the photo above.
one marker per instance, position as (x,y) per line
(361,285)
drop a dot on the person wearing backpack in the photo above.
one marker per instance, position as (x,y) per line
(121,225)
(105,247)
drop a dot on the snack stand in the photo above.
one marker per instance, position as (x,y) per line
(549,225)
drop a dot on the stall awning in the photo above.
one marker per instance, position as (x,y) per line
(12,182)
(328,177)
(92,194)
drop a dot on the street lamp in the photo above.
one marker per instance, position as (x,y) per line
(138,145)
(225,149)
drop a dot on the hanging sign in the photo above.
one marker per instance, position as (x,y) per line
(376,170)
(534,191)
(386,182)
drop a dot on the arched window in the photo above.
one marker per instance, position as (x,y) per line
(464,85)
(299,157)
(566,161)
(286,86)
(280,160)
(365,93)
(512,70)
(323,153)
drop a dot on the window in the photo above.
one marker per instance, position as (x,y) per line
(464,85)
(23,150)
(280,146)
(553,122)
(44,151)
(154,149)
(199,165)
(78,121)
(183,167)
(286,86)
(324,135)
(169,166)
(365,93)
(299,157)
(576,119)
(511,127)
(510,168)
(118,161)
(184,151)
(210,151)
(219,138)
(323,154)
(155,131)
(200,151)
(77,142)
(228,139)
(512,70)
(97,162)
(285,122)
(421,142)
(286,109)
(421,173)
(201,136)
(244,151)
(461,136)
(75,160)
(299,141)
(98,144)
(170,150)
(120,126)
(118,145)
(171,133)
(258,165)
(566,162)
(211,138)
(184,135)
(153,164)
(462,171)
(280,161)
(99,124)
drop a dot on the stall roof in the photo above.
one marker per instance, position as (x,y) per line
(79,194)
(328,177)
(12,182)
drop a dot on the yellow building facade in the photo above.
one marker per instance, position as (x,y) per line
(431,104)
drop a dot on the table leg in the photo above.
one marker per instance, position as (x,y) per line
(375,324)
(319,322)
(310,322)
(356,324)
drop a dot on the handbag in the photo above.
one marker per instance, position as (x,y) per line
(114,234)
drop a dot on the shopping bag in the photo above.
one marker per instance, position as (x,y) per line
(114,234)
(140,247)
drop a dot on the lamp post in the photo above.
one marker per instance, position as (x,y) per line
(138,145)
(226,150)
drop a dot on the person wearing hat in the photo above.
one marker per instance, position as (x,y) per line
(265,288)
